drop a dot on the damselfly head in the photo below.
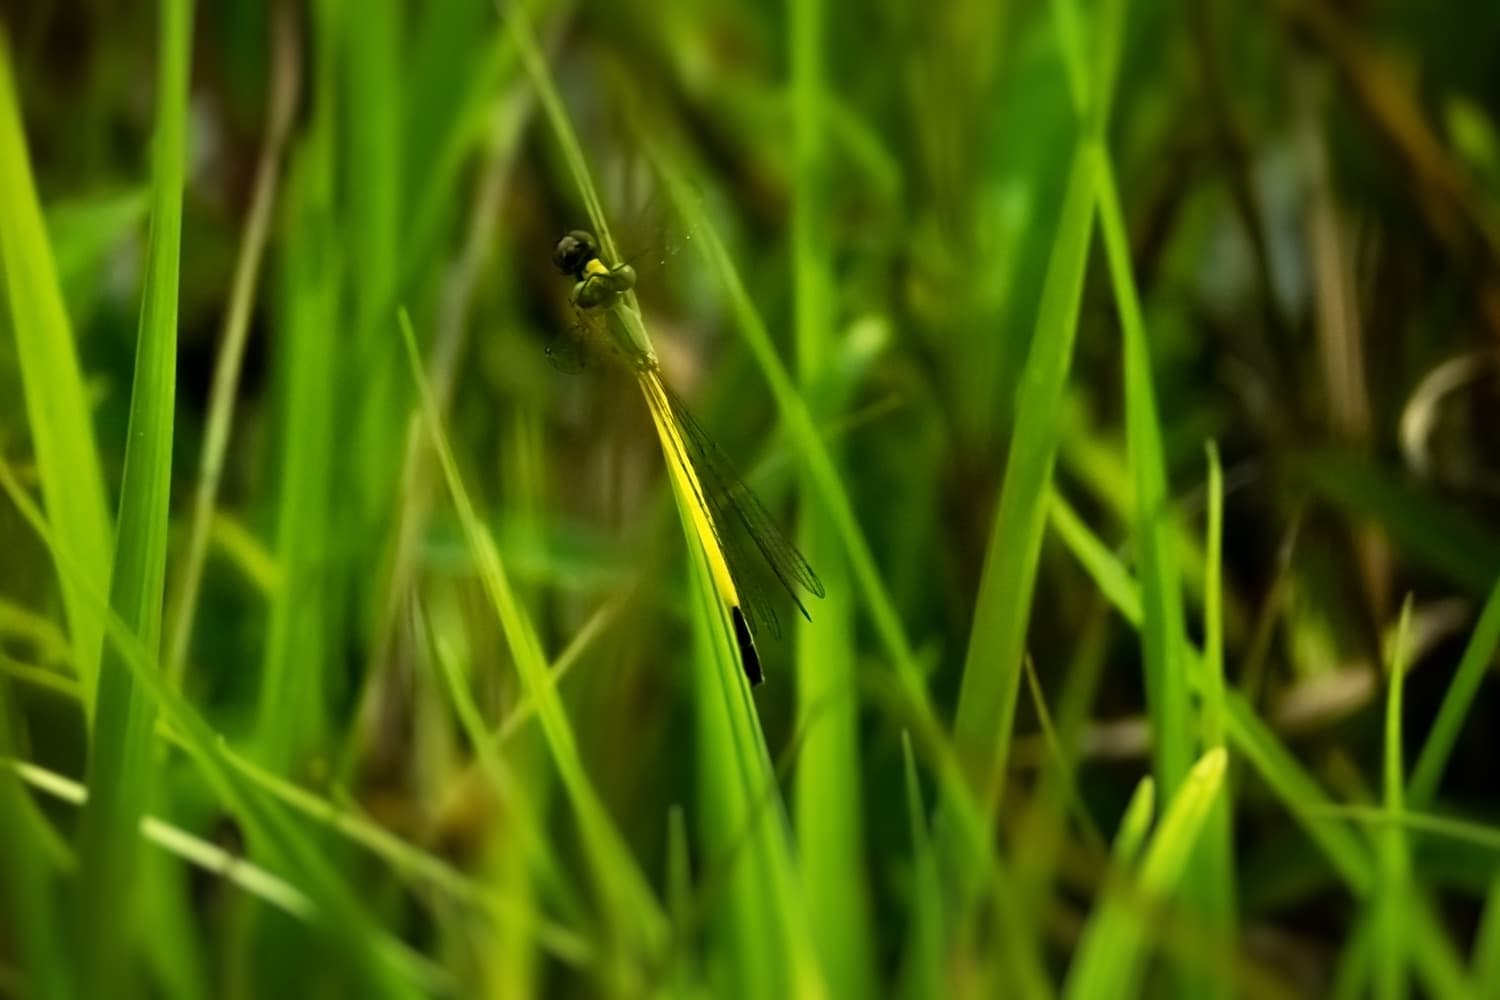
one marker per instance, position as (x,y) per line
(574,251)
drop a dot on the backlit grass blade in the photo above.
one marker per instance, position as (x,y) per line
(1393,858)
(119,767)
(1473,667)
(1299,792)
(829,803)
(632,910)
(1163,627)
(285,83)
(1002,610)
(1486,955)
(293,682)
(1111,956)
(342,921)
(925,937)
(1213,874)
(28,889)
(57,407)
(764,932)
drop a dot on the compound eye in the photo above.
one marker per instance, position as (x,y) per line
(574,251)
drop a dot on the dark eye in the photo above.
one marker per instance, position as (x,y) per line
(574,251)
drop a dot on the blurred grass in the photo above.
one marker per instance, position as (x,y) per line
(120,749)
(984,426)
(58,412)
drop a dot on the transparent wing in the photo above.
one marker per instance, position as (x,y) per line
(748,534)
(570,349)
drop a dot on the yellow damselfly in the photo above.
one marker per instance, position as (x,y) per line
(738,534)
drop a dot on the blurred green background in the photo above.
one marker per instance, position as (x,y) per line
(1128,372)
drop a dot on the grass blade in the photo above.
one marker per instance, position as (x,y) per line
(1112,953)
(1298,791)
(342,921)
(57,405)
(924,950)
(1393,858)
(829,806)
(1163,627)
(119,765)
(1479,656)
(221,404)
(27,888)
(632,909)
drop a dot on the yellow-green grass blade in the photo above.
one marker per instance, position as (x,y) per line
(1135,824)
(1111,956)
(1473,667)
(1392,856)
(1163,627)
(992,664)
(764,930)
(1299,792)
(1435,962)
(57,406)
(632,911)
(424,871)
(1213,887)
(1485,960)
(342,920)
(877,602)
(293,683)
(829,804)
(119,765)
(285,83)
(267,886)
(27,884)
(372,66)
(507,783)
(925,935)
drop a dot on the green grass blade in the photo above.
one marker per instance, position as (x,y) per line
(1212,712)
(1298,791)
(221,405)
(1473,667)
(57,404)
(765,932)
(1214,887)
(829,804)
(1434,961)
(1109,574)
(1485,960)
(1002,610)
(1393,858)
(27,887)
(992,665)
(1163,627)
(343,922)
(1112,953)
(293,684)
(1135,823)
(633,911)
(119,766)
(924,950)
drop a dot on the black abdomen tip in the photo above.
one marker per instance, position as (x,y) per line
(746,643)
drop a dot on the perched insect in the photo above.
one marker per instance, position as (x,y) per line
(739,536)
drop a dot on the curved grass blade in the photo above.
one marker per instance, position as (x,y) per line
(57,408)
(1111,955)
(120,766)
